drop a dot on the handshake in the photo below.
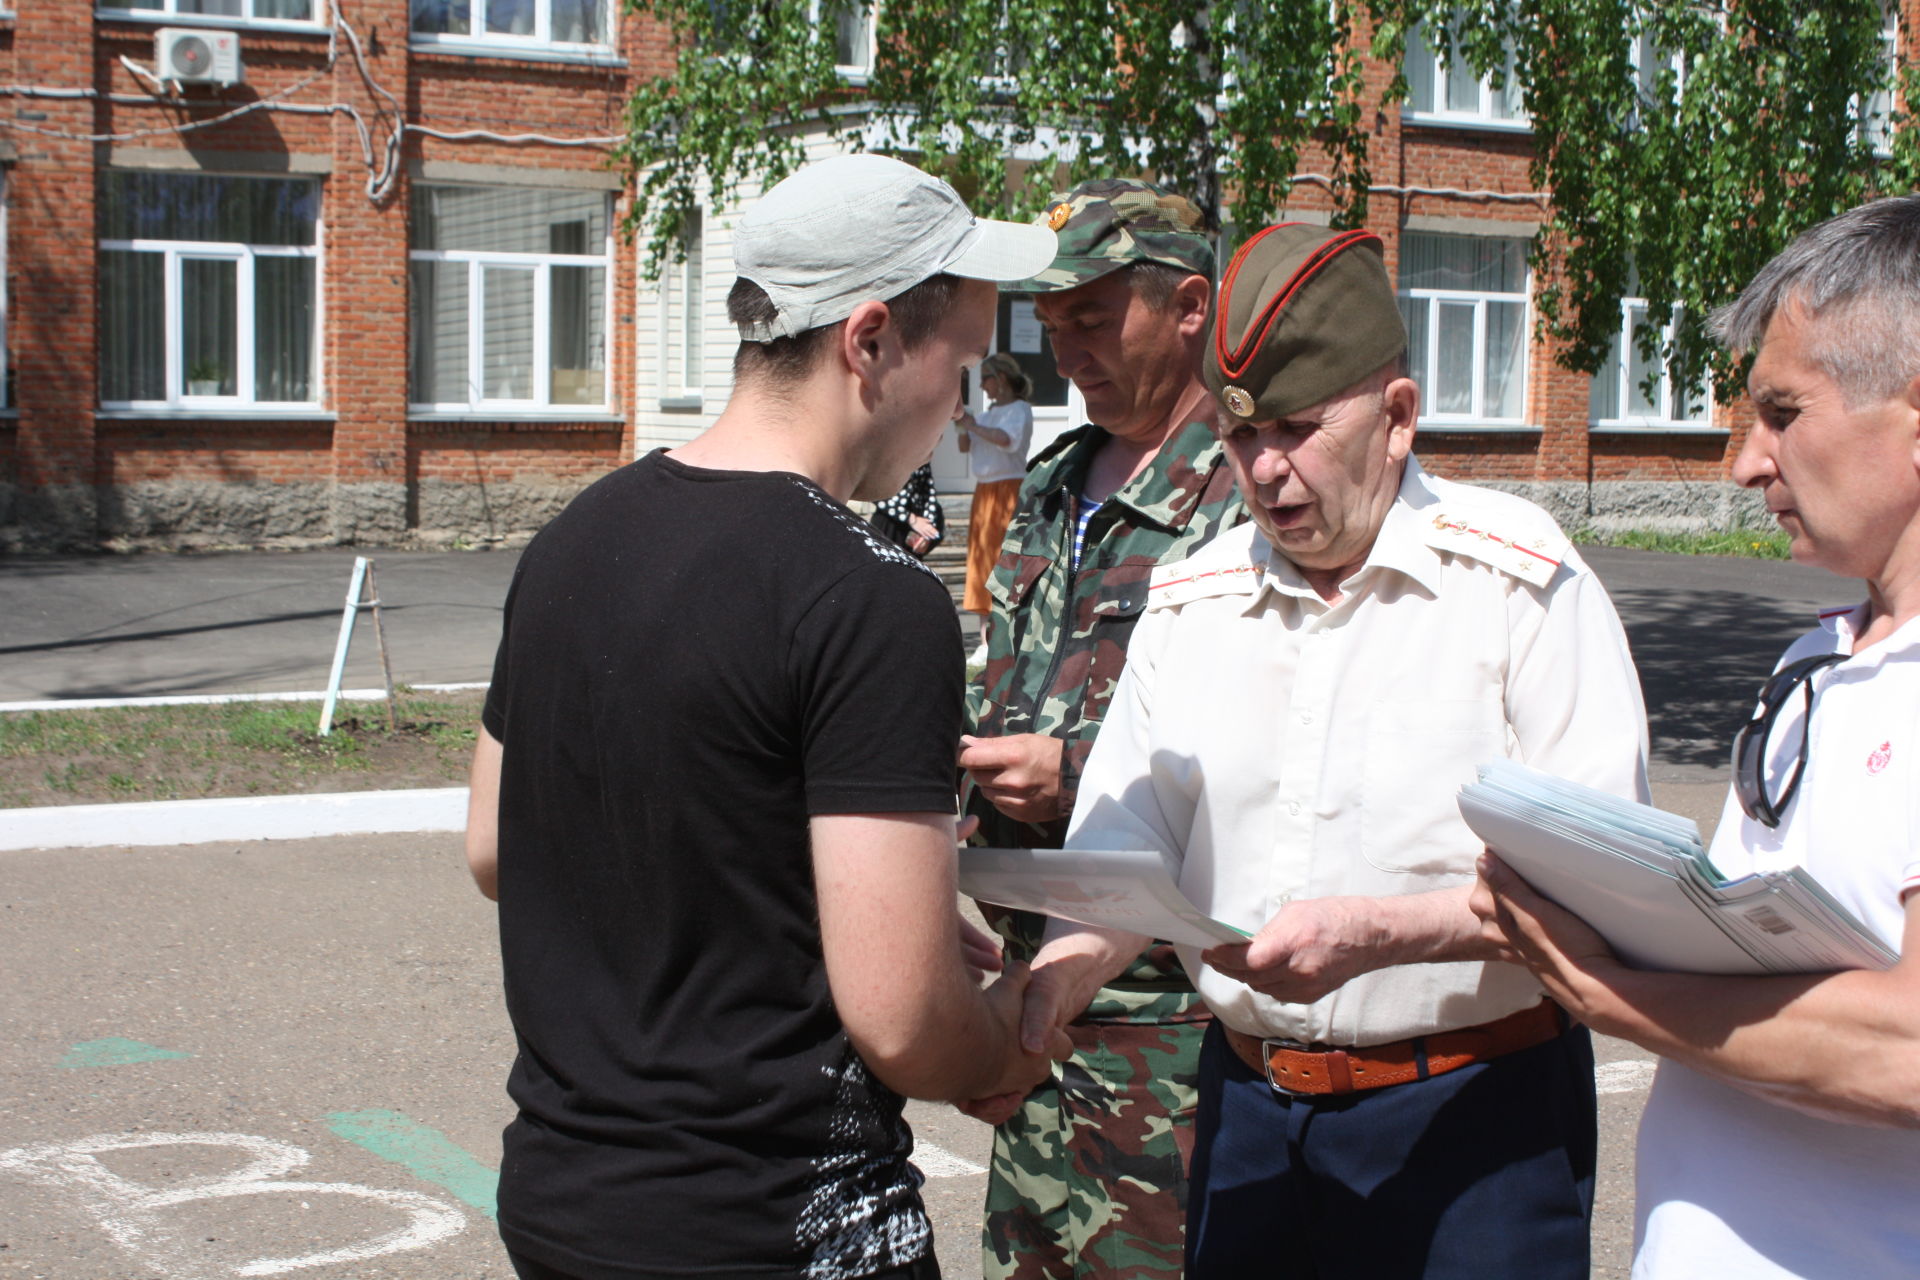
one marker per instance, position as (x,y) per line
(1029,1009)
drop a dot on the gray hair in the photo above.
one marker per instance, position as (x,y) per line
(1857,276)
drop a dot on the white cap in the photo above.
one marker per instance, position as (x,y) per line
(861,227)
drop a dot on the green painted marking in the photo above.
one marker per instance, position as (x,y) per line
(428,1153)
(116,1051)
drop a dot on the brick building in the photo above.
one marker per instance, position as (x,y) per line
(376,290)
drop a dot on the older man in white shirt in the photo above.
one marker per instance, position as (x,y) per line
(1301,703)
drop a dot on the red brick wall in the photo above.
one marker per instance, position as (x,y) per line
(512,452)
(249,452)
(361,437)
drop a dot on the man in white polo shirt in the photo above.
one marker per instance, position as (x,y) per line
(1780,1139)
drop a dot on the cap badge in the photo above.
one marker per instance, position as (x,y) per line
(1239,403)
(1058,215)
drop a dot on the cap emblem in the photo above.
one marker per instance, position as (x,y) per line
(1058,215)
(1239,403)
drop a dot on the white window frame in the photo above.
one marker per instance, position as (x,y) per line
(540,403)
(1638,51)
(682,388)
(167,12)
(1432,299)
(856,73)
(1619,368)
(494,43)
(173,306)
(1482,117)
(1875,111)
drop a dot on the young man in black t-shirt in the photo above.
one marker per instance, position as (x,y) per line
(715,787)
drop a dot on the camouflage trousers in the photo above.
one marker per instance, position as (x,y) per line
(1089,1177)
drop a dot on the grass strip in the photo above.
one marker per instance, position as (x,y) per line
(197,751)
(1754,544)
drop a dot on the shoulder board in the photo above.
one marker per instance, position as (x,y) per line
(1503,540)
(1224,567)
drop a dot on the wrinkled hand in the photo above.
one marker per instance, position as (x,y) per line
(1561,949)
(1309,949)
(1045,1011)
(1019,773)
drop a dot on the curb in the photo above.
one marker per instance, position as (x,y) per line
(204,699)
(177,822)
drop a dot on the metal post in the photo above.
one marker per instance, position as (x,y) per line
(380,636)
(340,648)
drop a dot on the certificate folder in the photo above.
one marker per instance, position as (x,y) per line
(1115,888)
(1641,877)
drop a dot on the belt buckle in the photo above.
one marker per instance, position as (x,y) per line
(1266,1065)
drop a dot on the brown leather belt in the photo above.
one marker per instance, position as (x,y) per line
(1303,1069)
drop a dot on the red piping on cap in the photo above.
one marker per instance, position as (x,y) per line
(1234,363)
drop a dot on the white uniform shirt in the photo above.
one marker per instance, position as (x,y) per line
(1730,1185)
(990,461)
(1272,746)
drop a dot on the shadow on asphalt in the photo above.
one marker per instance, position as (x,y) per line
(1702,660)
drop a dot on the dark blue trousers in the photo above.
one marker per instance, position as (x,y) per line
(1485,1173)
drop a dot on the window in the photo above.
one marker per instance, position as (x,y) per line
(849,23)
(261,11)
(511,23)
(1464,299)
(208,291)
(1446,89)
(1876,117)
(1650,64)
(508,299)
(1632,391)
(683,316)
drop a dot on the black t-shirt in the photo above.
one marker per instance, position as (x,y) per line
(694,662)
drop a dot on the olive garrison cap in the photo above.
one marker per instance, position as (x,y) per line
(1105,224)
(1303,314)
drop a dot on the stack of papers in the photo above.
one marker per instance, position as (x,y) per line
(1115,888)
(1641,877)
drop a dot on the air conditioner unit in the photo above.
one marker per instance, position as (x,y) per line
(190,55)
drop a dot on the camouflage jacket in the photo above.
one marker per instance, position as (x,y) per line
(1057,642)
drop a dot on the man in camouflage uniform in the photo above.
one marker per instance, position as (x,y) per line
(1089,1171)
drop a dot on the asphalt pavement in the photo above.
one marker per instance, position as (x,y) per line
(289,1057)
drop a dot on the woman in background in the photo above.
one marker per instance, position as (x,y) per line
(996,443)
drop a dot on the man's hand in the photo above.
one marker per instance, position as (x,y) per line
(1050,1004)
(1564,952)
(1027,1064)
(1019,773)
(1309,949)
(979,950)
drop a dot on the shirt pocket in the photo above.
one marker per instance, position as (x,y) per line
(1013,578)
(1108,614)
(1418,755)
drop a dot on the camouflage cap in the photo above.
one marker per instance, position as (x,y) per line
(1108,223)
(1303,314)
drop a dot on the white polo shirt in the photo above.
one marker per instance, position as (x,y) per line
(1731,1185)
(1274,746)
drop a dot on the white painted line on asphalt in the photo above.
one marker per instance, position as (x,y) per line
(1629,1076)
(133,1214)
(172,822)
(938,1162)
(202,699)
